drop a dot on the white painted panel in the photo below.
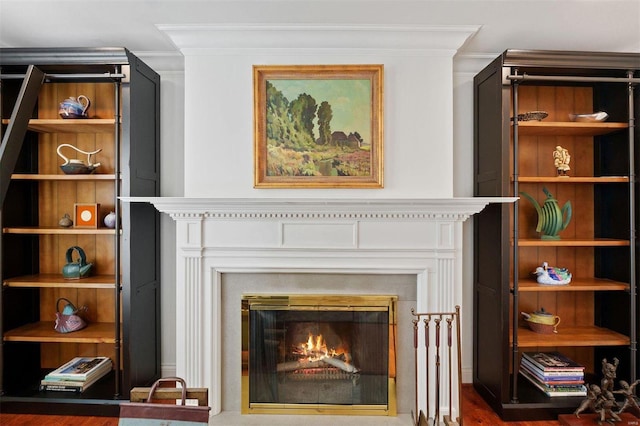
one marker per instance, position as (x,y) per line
(398,235)
(446,235)
(245,233)
(318,235)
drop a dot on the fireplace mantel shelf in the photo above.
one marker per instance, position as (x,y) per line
(327,207)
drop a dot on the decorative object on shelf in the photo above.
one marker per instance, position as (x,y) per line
(69,320)
(609,370)
(561,159)
(601,399)
(66,221)
(596,116)
(110,220)
(532,115)
(85,215)
(552,275)
(551,218)
(74,107)
(542,321)
(628,391)
(78,269)
(77,167)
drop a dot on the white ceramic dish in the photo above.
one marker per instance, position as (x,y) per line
(596,116)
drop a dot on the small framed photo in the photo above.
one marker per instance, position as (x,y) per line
(85,215)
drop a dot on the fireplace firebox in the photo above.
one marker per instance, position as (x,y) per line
(319,354)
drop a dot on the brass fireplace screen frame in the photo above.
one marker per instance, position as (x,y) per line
(320,303)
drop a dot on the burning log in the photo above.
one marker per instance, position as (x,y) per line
(297,365)
(340,364)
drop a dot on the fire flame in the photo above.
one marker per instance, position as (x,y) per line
(315,349)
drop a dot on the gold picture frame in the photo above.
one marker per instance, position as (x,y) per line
(318,126)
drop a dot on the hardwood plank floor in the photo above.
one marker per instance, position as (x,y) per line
(475,410)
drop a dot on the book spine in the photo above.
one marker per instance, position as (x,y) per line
(579,390)
(60,383)
(572,366)
(557,376)
(61,388)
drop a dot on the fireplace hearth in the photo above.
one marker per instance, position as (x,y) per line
(319,354)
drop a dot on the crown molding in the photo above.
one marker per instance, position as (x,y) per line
(445,38)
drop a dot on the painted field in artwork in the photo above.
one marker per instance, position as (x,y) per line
(318,127)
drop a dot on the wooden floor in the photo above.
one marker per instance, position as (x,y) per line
(475,410)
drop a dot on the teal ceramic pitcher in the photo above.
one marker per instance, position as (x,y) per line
(551,218)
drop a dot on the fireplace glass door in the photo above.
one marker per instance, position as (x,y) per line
(322,353)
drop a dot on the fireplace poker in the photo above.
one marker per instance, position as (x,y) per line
(415,368)
(426,357)
(436,416)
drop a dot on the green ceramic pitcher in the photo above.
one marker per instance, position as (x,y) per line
(551,218)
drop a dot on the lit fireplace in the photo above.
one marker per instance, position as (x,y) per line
(319,354)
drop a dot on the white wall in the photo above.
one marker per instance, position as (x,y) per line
(418,101)
(219,125)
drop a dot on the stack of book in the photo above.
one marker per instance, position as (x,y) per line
(76,375)
(553,373)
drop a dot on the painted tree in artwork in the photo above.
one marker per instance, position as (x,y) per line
(302,112)
(277,115)
(324,123)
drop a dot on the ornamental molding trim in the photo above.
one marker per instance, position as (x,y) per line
(347,215)
(185,209)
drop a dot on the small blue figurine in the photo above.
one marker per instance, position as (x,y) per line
(551,275)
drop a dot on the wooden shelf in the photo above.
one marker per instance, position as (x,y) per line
(80,125)
(597,242)
(576,284)
(37,176)
(43,332)
(57,281)
(571,336)
(573,179)
(35,230)
(568,128)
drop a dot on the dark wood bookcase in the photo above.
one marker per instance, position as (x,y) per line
(123,292)
(598,309)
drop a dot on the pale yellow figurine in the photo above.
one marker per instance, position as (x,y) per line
(561,159)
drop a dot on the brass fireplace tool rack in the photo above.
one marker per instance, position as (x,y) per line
(436,325)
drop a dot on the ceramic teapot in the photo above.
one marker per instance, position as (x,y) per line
(75,166)
(542,321)
(74,107)
(551,218)
(79,268)
(542,317)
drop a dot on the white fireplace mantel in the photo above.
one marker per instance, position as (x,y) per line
(462,207)
(318,235)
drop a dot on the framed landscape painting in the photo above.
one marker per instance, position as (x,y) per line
(318,126)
